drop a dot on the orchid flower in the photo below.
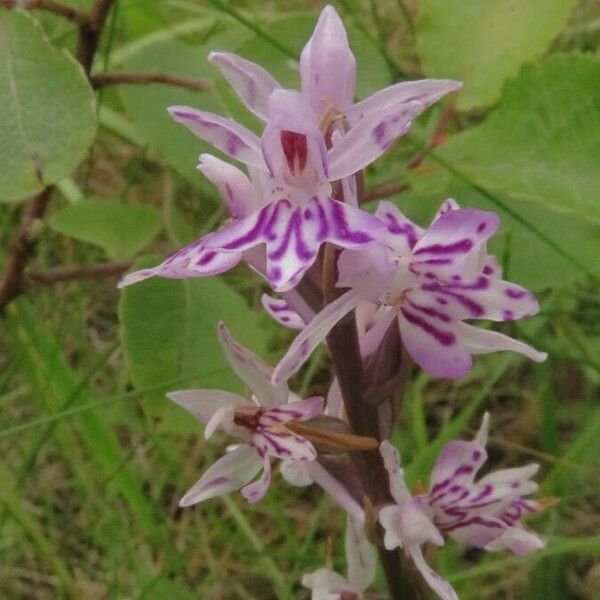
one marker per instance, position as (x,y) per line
(361,560)
(307,144)
(485,514)
(264,424)
(429,282)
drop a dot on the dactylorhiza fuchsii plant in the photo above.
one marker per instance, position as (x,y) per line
(380,291)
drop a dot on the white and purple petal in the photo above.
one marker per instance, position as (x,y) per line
(369,139)
(297,410)
(226,135)
(251,82)
(450,247)
(229,473)
(236,190)
(281,311)
(209,406)
(327,65)
(439,585)
(256,490)
(193,260)
(282,443)
(424,91)
(361,556)
(312,335)
(252,370)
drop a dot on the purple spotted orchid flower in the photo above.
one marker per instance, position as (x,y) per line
(262,423)
(361,559)
(429,281)
(311,139)
(485,514)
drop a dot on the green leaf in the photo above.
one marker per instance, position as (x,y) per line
(542,142)
(169,331)
(121,230)
(484,42)
(48,120)
(147,105)
(294,32)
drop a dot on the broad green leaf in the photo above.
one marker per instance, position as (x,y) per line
(169,331)
(48,120)
(483,42)
(121,230)
(294,32)
(147,105)
(542,143)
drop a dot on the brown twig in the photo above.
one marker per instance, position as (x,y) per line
(21,247)
(103,79)
(90,32)
(72,273)
(437,137)
(385,190)
(57,8)
(23,244)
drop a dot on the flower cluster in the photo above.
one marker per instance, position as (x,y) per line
(300,192)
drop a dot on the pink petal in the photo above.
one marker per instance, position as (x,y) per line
(252,370)
(440,586)
(452,243)
(391,461)
(256,490)
(424,92)
(251,82)
(193,260)
(435,345)
(326,585)
(282,312)
(235,188)
(518,540)
(482,341)
(369,139)
(371,339)
(367,271)
(229,473)
(361,556)
(297,410)
(296,473)
(312,335)
(224,134)
(327,65)
(336,490)
(335,400)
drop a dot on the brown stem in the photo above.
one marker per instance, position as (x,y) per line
(63,274)
(103,79)
(57,8)
(385,190)
(364,420)
(22,246)
(90,32)
(438,134)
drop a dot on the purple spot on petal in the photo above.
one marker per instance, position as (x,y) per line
(515,293)
(481,227)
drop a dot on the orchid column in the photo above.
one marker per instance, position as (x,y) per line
(382,293)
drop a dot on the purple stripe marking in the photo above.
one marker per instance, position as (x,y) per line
(459,247)
(445,338)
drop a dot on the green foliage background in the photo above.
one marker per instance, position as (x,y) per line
(94,458)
